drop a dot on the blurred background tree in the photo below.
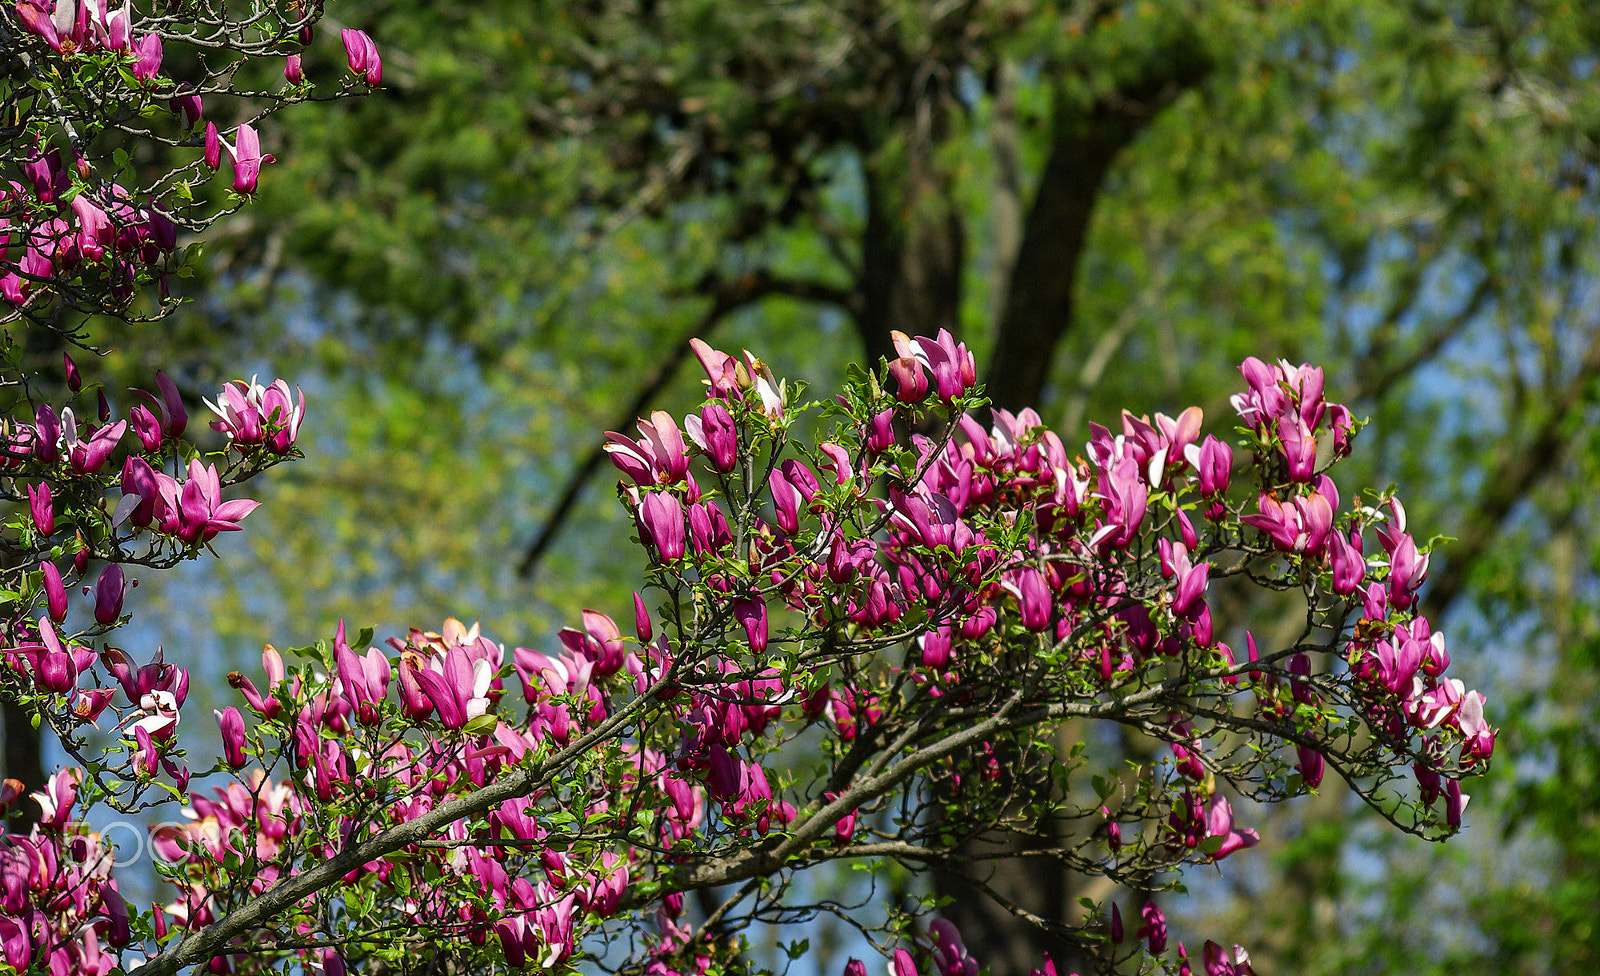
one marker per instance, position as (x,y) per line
(478,270)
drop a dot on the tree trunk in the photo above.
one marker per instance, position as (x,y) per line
(1037,312)
(1039,296)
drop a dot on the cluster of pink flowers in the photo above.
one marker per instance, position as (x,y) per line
(58,453)
(966,574)
(96,493)
(42,238)
(64,229)
(60,910)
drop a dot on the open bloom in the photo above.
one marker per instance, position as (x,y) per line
(457,685)
(147,51)
(952,366)
(250,413)
(194,511)
(659,456)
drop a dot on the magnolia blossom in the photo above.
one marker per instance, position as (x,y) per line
(247,157)
(363,57)
(251,414)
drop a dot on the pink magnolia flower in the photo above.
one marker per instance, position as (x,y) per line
(1310,764)
(250,414)
(363,57)
(174,419)
(414,700)
(41,509)
(1220,962)
(1455,803)
(147,52)
(1212,461)
(553,920)
(146,427)
(642,627)
(1033,597)
(141,490)
(363,679)
(936,645)
(186,105)
(457,685)
(949,952)
(713,431)
(36,17)
(213,150)
(195,511)
(55,592)
(231,722)
(1219,823)
(89,456)
(1191,579)
(1344,558)
(903,964)
(95,235)
(600,643)
(247,158)
(1477,732)
(661,519)
(751,612)
(1407,570)
(911,383)
(785,502)
(722,370)
(57,798)
(659,457)
(771,393)
(953,367)
(605,891)
(880,432)
(1299,445)
(1154,928)
(108,595)
(1126,498)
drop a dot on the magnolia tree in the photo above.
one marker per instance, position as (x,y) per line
(97,101)
(852,650)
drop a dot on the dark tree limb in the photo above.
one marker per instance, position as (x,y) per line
(1039,301)
(1374,378)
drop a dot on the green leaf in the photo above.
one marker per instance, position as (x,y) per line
(482,725)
